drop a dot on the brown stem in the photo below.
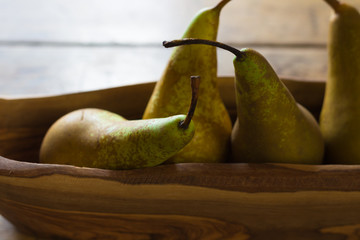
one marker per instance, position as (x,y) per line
(221,4)
(189,41)
(334,4)
(195,82)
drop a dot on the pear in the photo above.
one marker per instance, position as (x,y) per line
(270,126)
(211,142)
(101,139)
(340,114)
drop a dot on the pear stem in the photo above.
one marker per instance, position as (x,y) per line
(334,4)
(195,82)
(189,41)
(221,4)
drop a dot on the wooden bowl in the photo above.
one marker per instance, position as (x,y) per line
(182,201)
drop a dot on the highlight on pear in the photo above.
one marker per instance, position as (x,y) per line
(340,113)
(101,139)
(211,142)
(270,126)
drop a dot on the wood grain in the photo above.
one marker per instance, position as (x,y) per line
(250,178)
(63,46)
(144,22)
(178,201)
(41,53)
(123,226)
(20,137)
(27,71)
(79,207)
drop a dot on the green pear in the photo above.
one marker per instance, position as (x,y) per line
(101,139)
(340,114)
(211,142)
(270,125)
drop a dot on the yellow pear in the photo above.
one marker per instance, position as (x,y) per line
(340,114)
(211,119)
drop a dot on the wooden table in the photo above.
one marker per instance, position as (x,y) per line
(53,47)
(64,46)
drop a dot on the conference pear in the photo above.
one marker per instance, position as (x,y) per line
(270,127)
(102,139)
(211,142)
(340,114)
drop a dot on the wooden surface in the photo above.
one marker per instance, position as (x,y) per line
(66,46)
(181,201)
(185,201)
(177,201)
(53,47)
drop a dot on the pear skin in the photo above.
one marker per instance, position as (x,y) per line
(340,114)
(271,126)
(101,139)
(211,142)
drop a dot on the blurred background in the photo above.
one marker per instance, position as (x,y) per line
(65,46)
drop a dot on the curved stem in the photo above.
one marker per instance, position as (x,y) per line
(195,82)
(221,4)
(189,41)
(334,4)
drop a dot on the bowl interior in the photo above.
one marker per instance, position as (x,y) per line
(24,122)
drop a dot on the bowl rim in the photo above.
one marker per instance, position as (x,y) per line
(232,176)
(245,177)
